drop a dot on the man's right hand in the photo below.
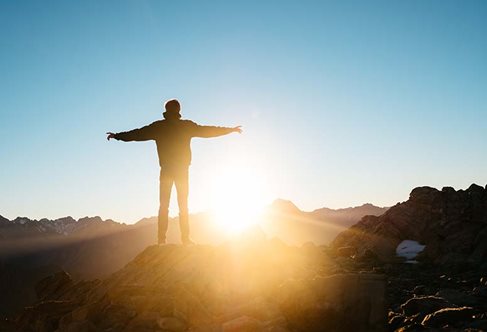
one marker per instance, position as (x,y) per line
(237,129)
(110,135)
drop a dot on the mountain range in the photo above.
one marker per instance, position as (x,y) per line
(256,282)
(90,247)
(283,219)
(23,236)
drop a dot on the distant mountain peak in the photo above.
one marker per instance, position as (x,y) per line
(21,220)
(67,219)
(146,221)
(367,205)
(352,208)
(90,219)
(284,206)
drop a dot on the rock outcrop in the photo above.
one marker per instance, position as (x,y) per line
(251,284)
(452,224)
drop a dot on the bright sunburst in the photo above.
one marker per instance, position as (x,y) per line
(238,197)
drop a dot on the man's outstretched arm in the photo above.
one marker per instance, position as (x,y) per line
(212,131)
(141,134)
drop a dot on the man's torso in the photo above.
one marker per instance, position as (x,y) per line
(173,140)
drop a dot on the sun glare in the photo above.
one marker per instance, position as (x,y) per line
(238,197)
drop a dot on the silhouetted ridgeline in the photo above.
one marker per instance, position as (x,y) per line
(88,248)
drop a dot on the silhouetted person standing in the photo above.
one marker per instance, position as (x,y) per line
(173,138)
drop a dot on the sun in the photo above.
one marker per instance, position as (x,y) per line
(238,197)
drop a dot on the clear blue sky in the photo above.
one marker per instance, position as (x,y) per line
(342,102)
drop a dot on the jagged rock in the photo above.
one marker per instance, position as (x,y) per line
(452,224)
(455,317)
(395,322)
(423,305)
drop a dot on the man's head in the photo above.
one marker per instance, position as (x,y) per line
(173,108)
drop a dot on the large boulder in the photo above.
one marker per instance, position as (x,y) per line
(453,317)
(423,305)
(451,224)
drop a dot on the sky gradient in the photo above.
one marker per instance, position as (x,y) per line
(341,103)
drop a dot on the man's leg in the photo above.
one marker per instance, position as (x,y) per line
(165,185)
(182,187)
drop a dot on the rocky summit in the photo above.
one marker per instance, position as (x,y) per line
(452,225)
(251,284)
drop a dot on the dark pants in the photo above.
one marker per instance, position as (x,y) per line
(179,176)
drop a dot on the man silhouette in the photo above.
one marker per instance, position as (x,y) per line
(173,138)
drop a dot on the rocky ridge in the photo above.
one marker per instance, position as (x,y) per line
(451,224)
(252,284)
(256,284)
(447,288)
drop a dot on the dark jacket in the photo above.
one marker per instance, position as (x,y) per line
(173,138)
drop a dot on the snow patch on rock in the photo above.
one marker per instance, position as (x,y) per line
(409,249)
